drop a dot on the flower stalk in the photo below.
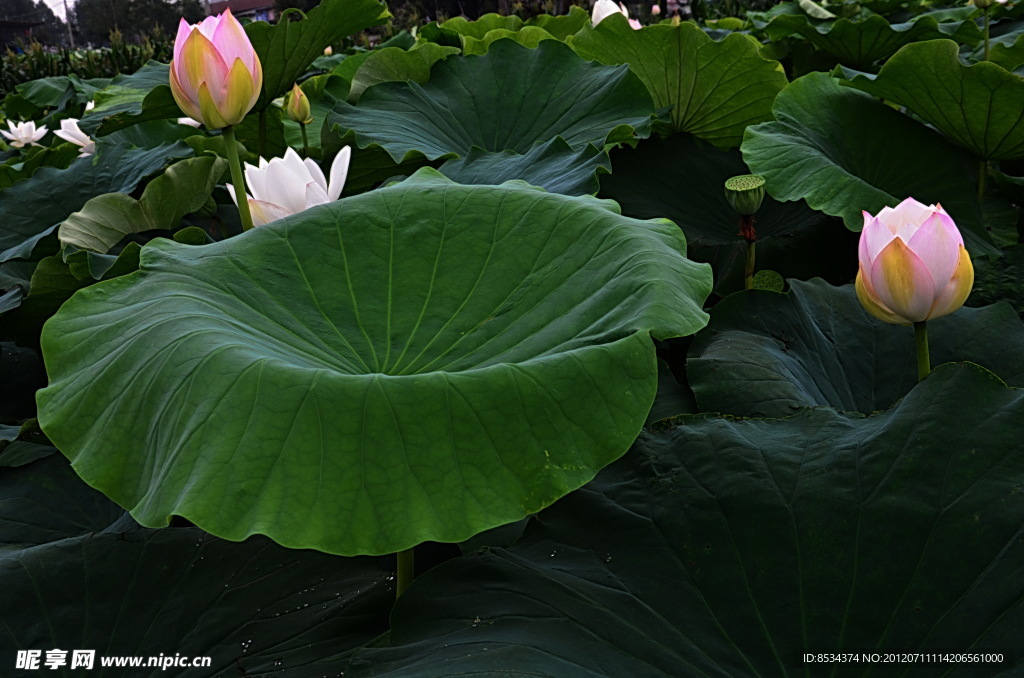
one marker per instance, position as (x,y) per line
(236,177)
(406,567)
(924,365)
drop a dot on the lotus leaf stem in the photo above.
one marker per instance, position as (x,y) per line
(261,140)
(986,10)
(748,278)
(305,141)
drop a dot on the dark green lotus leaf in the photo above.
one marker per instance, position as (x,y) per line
(998,279)
(392,64)
(527,36)
(715,89)
(553,165)
(1007,50)
(508,99)
(979,107)
(59,156)
(482,26)
(21,373)
(287,48)
(562,25)
(400,366)
(861,43)
(256,609)
(825,147)
(683,179)
(727,549)
(768,355)
(106,219)
(32,208)
(130,99)
(10,299)
(44,501)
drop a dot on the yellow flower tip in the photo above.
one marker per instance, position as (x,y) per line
(871,303)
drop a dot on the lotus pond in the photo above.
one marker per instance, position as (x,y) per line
(456,356)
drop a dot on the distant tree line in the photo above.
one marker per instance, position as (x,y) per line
(94,20)
(51,30)
(446,9)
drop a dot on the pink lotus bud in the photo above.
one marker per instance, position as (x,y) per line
(913,265)
(655,10)
(216,76)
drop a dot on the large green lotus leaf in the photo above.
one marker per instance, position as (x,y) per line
(508,99)
(256,609)
(553,165)
(998,279)
(19,167)
(32,208)
(106,219)
(287,48)
(392,64)
(561,25)
(980,107)
(767,355)
(683,179)
(44,501)
(482,26)
(860,44)
(715,89)
(825,147)
(727,548)
(130,99)
(528,36)
(420,362)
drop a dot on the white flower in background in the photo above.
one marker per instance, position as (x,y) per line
(69,131)
(328,51)
(605,8)
(89,106)
(190,122)
(24,133)
(289,185)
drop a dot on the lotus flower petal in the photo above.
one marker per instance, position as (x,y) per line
(913,265)
(283,186)
(216,76)
(339,173)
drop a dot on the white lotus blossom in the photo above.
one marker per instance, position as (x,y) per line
(89,106)
(24,133)
(605,8)
(289,185)
(190,122)
(69,131)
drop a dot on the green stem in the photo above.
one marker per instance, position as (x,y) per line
(405,571)
(261,140)
(236,178)
(748,280)
(982,172)
(924,363)
(305,141)
(986,10)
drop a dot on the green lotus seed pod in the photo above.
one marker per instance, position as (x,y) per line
(745,193)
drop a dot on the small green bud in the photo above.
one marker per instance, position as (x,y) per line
(297,107)
(745,193)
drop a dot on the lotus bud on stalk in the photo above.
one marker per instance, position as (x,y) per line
(655,10)
(216,78)
(913,267)
(986,7)
(746,193)
(298,110)
(24,133)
